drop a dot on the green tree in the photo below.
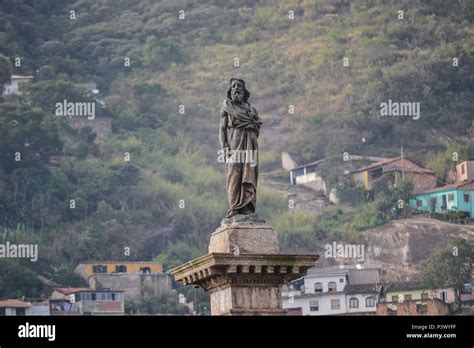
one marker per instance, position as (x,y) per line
(17,280)
(450,268)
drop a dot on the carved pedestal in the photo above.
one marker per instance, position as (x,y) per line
(241,279)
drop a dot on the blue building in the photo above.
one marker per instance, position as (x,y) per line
(453,197)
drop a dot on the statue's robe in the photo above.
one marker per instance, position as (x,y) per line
(243,128)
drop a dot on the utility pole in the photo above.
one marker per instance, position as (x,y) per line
(403,169)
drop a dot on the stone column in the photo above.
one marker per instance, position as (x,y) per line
(244,269)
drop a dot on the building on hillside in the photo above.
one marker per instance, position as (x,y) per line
(302,173)
(406,291)
(86,301)
(91,87)
(136,279)
(411,298)
(330,291)
(361,298)
(392,170)
(432,306)
(307,173)
(290,160)
(14,86)
(101,126)
(453,197)
(21,308)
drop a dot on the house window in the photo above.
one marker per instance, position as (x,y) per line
(408,297)
(450,197)
(318,287)
(463,169)
(93,296)
(341,280)
(424,296)
(353,303)
(313,306)
(419,203)
(332,287)
(3,312)
(370,301)
(395,298)
(20,311)
(421,308)
(444,296)
(335,304)
(466,198)
(121,269)
(99,269)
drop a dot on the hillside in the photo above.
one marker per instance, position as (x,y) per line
(402,246)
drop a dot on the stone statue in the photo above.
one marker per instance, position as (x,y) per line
(239,130)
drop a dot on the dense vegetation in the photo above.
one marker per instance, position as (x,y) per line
(165,201)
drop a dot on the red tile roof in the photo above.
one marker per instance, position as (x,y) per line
(467,185)
(72,290)
(408,166)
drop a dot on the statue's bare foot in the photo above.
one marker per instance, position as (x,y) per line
(231,213)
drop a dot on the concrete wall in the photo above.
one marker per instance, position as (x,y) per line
(415,294)
(364,276)
(287,162)
(309,282)
(456,204)
(361,178)
(433,307)
(449,293)
(101,126)
(324,303)
(467,207)
(85,270)
(14,86)
(33,310)
(38,310)
(468,174)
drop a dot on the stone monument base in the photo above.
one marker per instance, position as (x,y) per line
(244,270)
(244,238)
(244,284)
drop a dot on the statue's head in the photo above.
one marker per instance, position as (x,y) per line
(237,91)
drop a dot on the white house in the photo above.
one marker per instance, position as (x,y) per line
(361,298)
(13,87)
(321,292)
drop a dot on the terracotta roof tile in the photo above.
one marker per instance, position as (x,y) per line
(14,304)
